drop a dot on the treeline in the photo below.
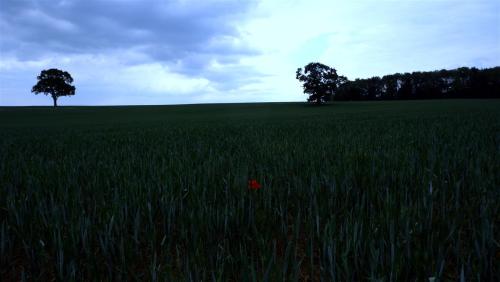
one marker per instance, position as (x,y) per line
(458,83)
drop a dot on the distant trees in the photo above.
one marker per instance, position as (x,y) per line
(54,82)
(319,81)
(322,83)
(458,83)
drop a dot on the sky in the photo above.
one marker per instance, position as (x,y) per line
(140,52)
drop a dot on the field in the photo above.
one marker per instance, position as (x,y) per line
(353,191)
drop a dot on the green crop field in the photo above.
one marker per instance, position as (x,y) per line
(352,191)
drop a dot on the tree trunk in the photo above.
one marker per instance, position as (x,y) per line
(55,101)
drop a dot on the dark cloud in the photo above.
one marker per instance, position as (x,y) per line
(187,35)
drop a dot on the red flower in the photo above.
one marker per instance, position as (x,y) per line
(253,184)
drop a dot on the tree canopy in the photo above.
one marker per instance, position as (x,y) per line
(322,84)
(54,82)
(319,81)
(458,83)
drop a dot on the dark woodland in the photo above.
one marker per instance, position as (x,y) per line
(457,83)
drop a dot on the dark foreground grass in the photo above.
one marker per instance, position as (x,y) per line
(381,191)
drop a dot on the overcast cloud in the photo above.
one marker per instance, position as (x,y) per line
(187,51)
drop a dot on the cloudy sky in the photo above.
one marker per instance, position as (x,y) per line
(211,51)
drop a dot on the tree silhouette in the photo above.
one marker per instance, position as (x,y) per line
(320,82)
(458,83)
(55,82)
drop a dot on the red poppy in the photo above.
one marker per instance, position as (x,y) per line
(253,184)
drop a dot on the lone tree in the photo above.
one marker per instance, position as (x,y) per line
(320,82)
(55,82)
